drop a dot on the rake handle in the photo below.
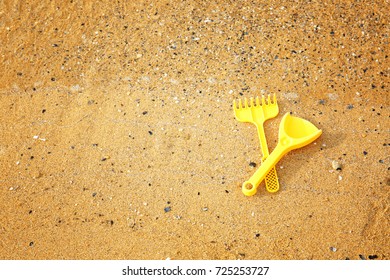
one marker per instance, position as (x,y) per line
(263,140)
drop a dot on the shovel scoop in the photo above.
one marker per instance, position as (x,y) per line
(294,133)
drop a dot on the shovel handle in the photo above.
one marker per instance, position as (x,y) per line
(249,187)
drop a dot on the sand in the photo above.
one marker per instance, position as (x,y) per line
(118,138)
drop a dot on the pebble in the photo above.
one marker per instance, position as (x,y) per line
(336,165)
(333,249)
(205,209)
(167,209)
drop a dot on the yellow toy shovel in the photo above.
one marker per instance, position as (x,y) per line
(294,133)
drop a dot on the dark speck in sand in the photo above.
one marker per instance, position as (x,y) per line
(167,209)
(362,257)
(252,164)
(321,102)
(350,106)
(373,257)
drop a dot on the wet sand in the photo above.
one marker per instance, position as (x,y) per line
(118,138)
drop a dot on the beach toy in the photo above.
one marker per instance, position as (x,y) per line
(257,113)
(294,133)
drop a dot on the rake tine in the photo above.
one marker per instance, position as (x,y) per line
(251,102)
(246,102)
(262,100)
(257,102)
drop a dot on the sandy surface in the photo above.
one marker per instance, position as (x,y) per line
(118,138)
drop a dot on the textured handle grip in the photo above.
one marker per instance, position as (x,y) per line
(271,181)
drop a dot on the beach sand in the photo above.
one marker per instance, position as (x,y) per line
(118,138)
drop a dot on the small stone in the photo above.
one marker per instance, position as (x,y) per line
(252,164)
(350,106)
(336,165)
(373,257)
(205,209)
(365,153)
(333,249)
(167,209)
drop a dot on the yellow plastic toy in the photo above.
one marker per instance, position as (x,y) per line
(294,133)
(257,113)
